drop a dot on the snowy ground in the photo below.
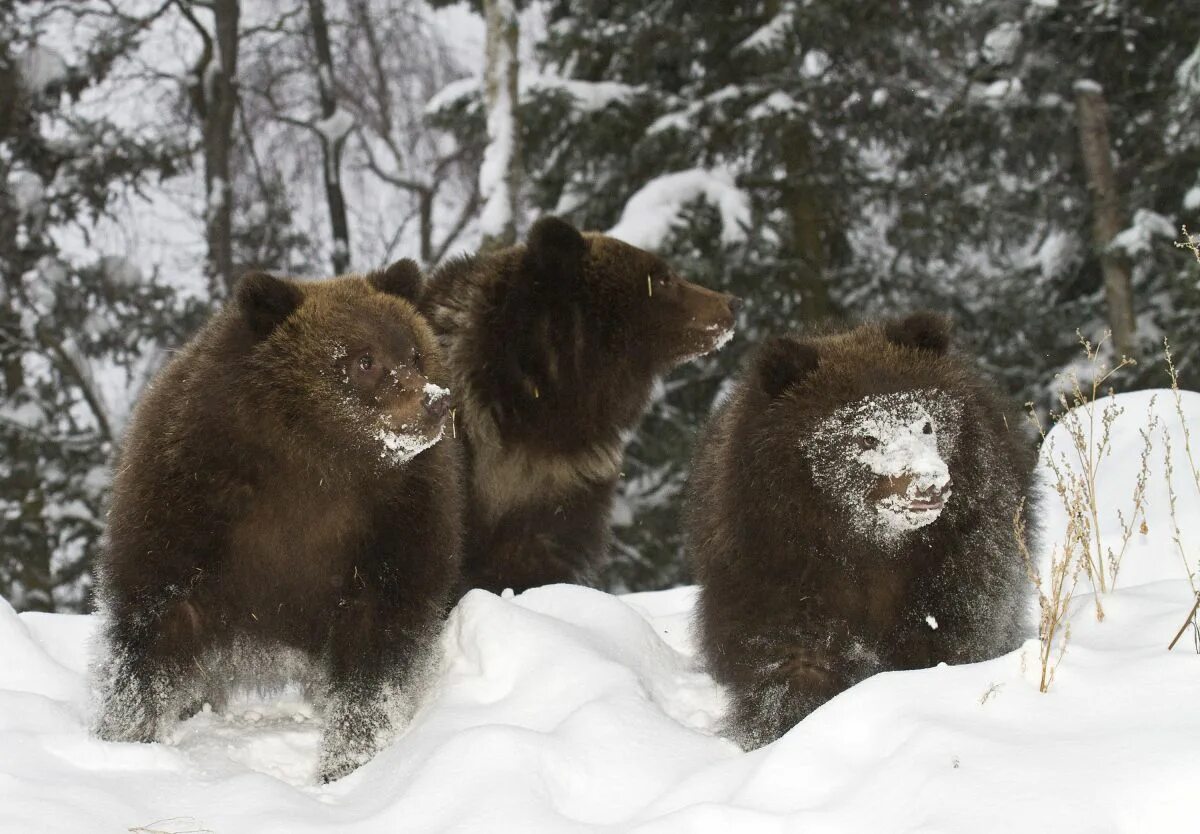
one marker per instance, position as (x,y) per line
(566,709)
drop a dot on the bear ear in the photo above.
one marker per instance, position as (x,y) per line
(782,362)
(555,248)
(266,301)
(403,278)
(922,331)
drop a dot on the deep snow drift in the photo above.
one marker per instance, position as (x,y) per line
(566,709)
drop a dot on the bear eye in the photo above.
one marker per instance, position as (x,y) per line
(366,362)
(927,428)
(866,442)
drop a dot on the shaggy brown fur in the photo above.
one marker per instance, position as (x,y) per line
(280,492)
(553,347)
(805,589)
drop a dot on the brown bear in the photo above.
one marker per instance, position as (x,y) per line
(553,348)
(850,511)
(282,508)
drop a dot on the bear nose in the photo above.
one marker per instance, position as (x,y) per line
(436,404)
(735,304)
(938,491)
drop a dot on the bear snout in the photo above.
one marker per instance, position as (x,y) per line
(436,401)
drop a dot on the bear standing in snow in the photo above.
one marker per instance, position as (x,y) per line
(553,347)
(282,508)
(851,511)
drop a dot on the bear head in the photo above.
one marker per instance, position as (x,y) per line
(645,313)
(346,364)
(872,415)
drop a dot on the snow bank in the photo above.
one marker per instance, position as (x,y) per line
(569,710)
(652,212)
(1153,554)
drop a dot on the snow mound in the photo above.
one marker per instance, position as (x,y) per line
(1152,555)
(569,710)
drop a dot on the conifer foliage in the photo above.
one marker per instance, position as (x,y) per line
(78,332)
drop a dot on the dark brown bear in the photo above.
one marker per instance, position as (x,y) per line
(851,511)
(553,348)
(282,497)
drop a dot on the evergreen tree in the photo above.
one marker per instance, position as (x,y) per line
(77,332)
(894,155)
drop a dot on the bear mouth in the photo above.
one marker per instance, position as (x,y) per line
(401,446)
(901,513)
(707,338)
(400,440)
(925,505)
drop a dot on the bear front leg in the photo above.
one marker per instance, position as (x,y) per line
(777,683)
(378,657)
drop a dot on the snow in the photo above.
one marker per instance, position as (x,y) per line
(121,270)
(41,67)
(568,709)
(652,211)
(1188,74)
(399,447)
(1000,45)
(772,34)
(27,191)
(775,103)
(1191,200)
(334,127)
(1139,238)
(452,93)
(1001,90)
(589,96)
(434,392)
(815,63)
(218,195)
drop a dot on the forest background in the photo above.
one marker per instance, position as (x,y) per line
(1024,165)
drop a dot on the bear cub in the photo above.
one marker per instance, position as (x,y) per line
(282,509)
(850,511)
(553,347)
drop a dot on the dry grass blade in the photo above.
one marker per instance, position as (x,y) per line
(1176,534)
(1054,598)
(153,827)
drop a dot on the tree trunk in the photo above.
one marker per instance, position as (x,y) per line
(1106,212)
(217,96)
(333,127)
(808,215)
(500,175)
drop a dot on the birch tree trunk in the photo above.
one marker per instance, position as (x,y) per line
(500,174)
(335,124)
(1094,143)
(213,92)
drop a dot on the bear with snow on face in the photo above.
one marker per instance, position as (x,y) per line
(554,346)
(850,511)
(285,510)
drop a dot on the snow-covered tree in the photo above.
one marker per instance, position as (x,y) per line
(892,155)
(79,331)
